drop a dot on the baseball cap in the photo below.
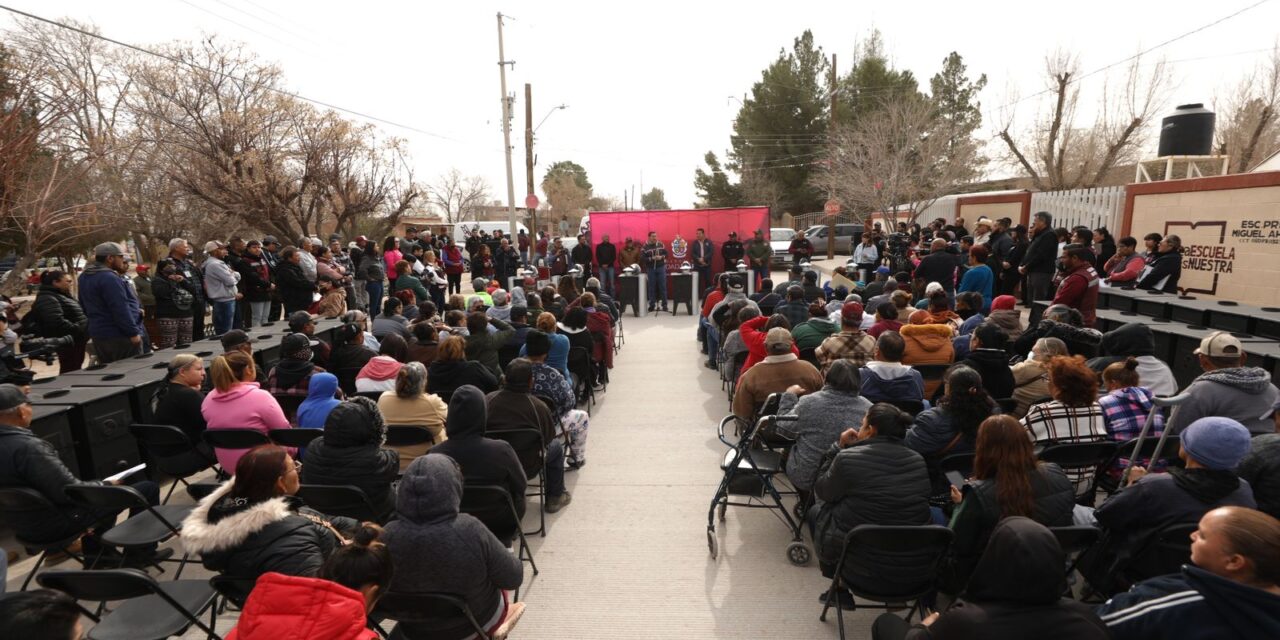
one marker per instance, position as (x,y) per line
(295,341)
(11,396)
(1220,344)
(778,340)
(883,269)
(984,221)
(108,249)
(733,234)
(299,319)
(235,338)
(213,245)
(269,240)
(142,268)
(851,311)
(362,238)
(1216,442)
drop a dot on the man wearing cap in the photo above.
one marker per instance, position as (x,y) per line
(759,253)
(305,323)
(30,462)
(115,315)
(780,369)
(801,249)
(1228,388)
(180,258)
(220,283)
(982,231)
(1211,448)
(732,251)
(291,376)
(851,343)
(876,287)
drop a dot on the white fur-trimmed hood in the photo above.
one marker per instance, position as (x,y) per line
(199,536)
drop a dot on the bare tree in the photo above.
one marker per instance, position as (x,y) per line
(1059,153)
(896,158)
(457,196)
(566,197)
(1249,117)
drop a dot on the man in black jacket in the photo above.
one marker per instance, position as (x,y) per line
(1040,261)
(703,252)
(607,258)
(1000,244)
(732,251)
(29,461)
(1165,267)
(294,287)
(514,407)
(940,267)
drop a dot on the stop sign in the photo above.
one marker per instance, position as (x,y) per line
(832,207)
(531,201)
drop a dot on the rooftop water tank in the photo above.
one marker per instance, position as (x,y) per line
(1188,132)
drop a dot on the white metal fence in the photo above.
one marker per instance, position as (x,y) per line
(1093,208)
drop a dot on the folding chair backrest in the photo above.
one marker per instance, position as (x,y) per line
(962,462)
(338,500)
(1149,444)
(426,610)
(106,496)
(1079,455)
(1076,538)
(347,379)
(294,437)
(1007,405)
(1171,548)
(101,584)
(162,440)
(914,552)
(527,442)
(407,435)
(234,589)
(21,502)
(492,505)
(289,404)
(234,438)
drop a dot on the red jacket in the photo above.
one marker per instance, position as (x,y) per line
(294,608)
(1124,269)
(1079,290)
(708,304)
(753,336)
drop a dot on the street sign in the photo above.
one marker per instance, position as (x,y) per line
(531,201)
(832,207)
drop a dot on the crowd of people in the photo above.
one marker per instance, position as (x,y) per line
(891,381)
(488,361)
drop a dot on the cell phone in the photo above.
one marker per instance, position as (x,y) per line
(956,479)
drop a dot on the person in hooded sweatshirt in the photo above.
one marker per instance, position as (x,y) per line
(436,548)
(1211,448)
(1015,593)
(927,342)
(1228,388)
(988,357)
(379,373)
(886,378)
(351,453)
(321,399)
(236,402)
(1135,340)
(1231,589)
(483,460)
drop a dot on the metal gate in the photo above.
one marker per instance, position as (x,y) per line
(1093,208)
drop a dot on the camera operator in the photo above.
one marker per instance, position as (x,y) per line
(56,314)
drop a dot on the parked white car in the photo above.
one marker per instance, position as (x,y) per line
(780,241)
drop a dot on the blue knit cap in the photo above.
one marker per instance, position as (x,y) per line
(1216,443)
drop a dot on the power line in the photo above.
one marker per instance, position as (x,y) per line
(244,26)
(270,23)
(197,67)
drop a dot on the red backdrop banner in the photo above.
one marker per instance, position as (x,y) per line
(620,225)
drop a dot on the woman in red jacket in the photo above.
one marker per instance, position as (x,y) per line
(451,256)
(334,606)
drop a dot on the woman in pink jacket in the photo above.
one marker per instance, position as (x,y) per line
(236,402)
(391,253)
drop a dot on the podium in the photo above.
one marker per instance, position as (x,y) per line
(632,292)
(683,289)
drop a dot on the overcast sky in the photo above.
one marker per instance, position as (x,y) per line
(647,84)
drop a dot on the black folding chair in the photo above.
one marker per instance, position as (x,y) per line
(20,504)
(1125,451)
(233,590)
(339,500)
(151,526)
(297,438)
(151,610)
(1169,549)
(427,611)
(1083,462)
(914,552)
(931,373)
(172,453)
(347,379)
(1007,405)
(1076,540)
(493,505)
(580,368)
(289,405)
(234,439)
(532,452)
(962,462)
(407,435)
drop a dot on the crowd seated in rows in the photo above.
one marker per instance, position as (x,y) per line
(886,378)
(451,370)
(546,382)
(951,427)
(179,400)
(558,354)
(254,523)
(351,351)
(1135,340)
(753,334)
(1066,324)
(292,374)
(351,453)
(1073,415)
(322,397)
(851,343)
(482,460)
(812,332)
(988,357)
(379,373)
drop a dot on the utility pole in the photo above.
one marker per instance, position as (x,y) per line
(831,222)
(506,129)
(528,160)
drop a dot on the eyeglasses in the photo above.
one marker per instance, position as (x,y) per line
(297,466)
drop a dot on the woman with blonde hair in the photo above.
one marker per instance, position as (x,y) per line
(237,402)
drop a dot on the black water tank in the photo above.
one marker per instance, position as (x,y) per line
(1188,132)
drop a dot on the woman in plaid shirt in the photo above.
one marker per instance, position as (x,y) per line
(1073,415)
(1126,406)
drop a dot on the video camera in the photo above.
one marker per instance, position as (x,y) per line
(12,369)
